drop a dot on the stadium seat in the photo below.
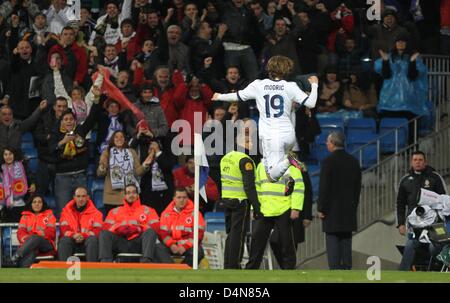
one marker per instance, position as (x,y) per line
(361,126)
(91,170)
(50,200)
(368,155)
(31,156)
(388,125)
(215,221)
(328,125)
(27,141)
(97,192)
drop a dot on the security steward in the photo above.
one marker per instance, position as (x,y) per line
(238,194)
(278,211)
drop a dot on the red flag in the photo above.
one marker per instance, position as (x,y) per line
(116,94)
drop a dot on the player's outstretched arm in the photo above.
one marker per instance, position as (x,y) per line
(311,100)
(232,97)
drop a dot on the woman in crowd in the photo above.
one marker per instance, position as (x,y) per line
(330,92)
(16,181)
(360,94)
(121,166)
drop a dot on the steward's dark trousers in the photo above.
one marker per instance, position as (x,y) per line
(261,234)
(111,245)
(237,215)
(67,247)
(30,249)
(188,254)
(339,250)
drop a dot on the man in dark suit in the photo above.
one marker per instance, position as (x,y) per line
(339,189)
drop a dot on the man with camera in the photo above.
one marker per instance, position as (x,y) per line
(420,176)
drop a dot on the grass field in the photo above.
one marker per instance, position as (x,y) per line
(215,276)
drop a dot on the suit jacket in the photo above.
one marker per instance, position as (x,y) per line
(339,189)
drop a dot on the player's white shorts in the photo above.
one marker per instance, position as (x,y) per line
(275,148)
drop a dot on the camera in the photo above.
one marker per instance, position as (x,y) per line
(71,133)
(420,211)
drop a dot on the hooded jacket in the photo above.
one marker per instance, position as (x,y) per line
(42,224)
(88,222)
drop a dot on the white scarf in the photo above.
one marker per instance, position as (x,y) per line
(60,90)
(158,183)
(121,166)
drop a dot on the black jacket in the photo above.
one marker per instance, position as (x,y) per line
(339,189)
(81,159)
(47,123)
(409,189)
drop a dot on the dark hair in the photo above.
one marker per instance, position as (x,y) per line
(130,184)
(179,190)
(30,201)
(110,101)
(111,140)
(127,21)
(80,89)
(61,98)
(419,152)
(68,112)
(189,157)
(18,155)
(65,28)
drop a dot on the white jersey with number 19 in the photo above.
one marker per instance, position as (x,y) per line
(274,101)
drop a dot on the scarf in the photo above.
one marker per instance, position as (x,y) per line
(70,150)
(60,90)
(126,39)
(13,183)
(79,107)
(158,183)
(121,167)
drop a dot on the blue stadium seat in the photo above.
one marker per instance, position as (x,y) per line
(8,248)
(361,126)
(215,221)
(315,185)
(329,125)
(97,192)
(31,156)
(388,141)
(91,170)
(319,149)
(369,153)
(50,200)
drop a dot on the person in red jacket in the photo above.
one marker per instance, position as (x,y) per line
(69,50)
(177,228)
(80,224)
(132,227)
(163,88)
(36,233)
(183,177)
(190,100)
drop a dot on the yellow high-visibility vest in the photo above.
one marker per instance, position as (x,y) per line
(271,195)
(231,176)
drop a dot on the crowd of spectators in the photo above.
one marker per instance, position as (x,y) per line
(165,58)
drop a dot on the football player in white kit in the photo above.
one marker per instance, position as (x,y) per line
(274,98)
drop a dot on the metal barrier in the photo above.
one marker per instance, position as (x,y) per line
(379,188)
(438,84)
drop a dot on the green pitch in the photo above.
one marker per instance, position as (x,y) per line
(206,276)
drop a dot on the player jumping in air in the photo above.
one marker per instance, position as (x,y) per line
(274,97)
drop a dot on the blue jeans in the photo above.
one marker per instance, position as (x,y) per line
(65,186)
(409,253)
(244,59)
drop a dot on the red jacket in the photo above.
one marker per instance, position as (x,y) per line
(166,97)
(89,222)
(80,57)
(182,178)
(188,106)
(131,221)
(445,13)
(42,224)
(132,49)
(178,227)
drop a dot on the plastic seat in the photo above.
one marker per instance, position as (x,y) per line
(97,192)
(328,125)
(361,126)
(387,125)
(215,221)
(368,155)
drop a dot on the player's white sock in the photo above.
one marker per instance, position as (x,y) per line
(278,170)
